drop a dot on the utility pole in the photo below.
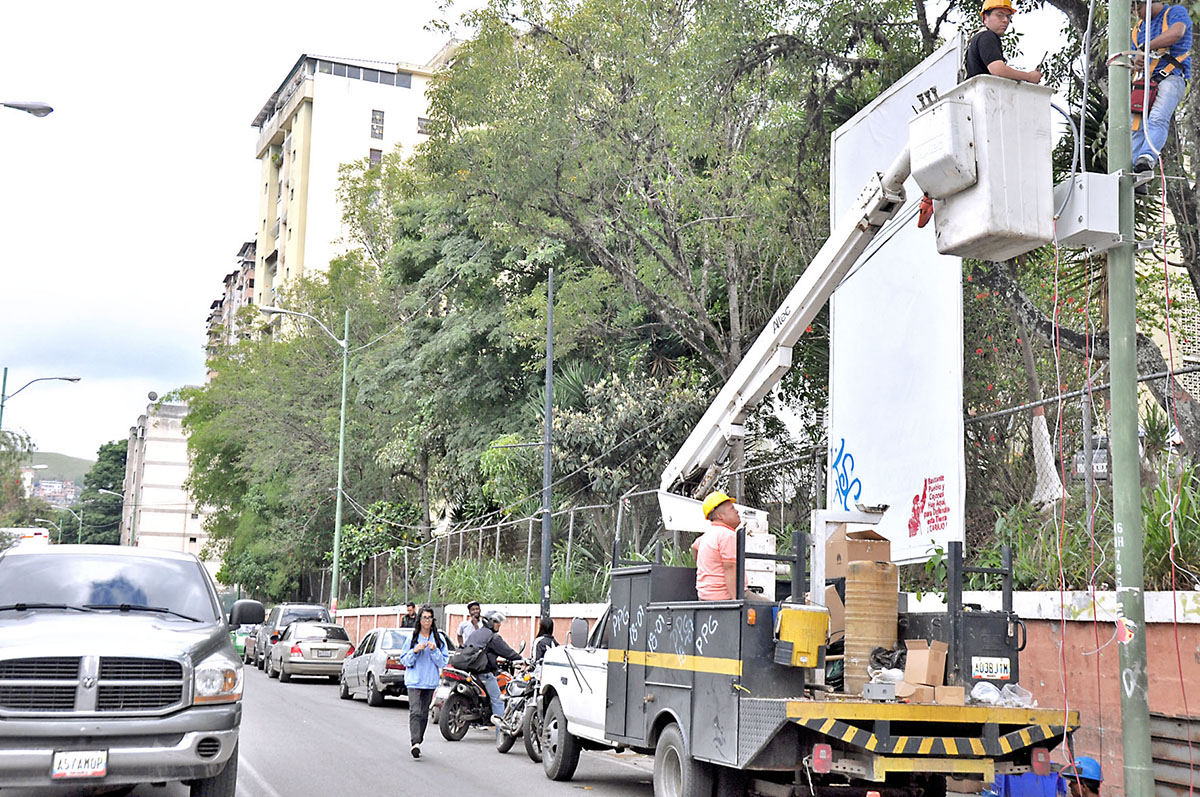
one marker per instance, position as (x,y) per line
(1127,490)
(549,415)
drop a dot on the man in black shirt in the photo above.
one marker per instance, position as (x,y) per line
(985,55)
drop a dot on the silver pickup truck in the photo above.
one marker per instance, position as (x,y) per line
(116,668)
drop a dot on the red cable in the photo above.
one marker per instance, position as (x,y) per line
(1179,492)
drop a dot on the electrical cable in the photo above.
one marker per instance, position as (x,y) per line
(1075,156)
(1172,403)
(1060,518)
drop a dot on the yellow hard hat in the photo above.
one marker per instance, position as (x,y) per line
(714,500)
(1002,5)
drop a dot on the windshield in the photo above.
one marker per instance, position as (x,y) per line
(333,633)
(291,615)
(395,639)
(80,580)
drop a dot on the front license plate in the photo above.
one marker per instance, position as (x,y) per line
(441,693)
(79,764)
(324,654)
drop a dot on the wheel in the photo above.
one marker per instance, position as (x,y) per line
(271,672)
(245,655)
(343,689)
(223,784)
(560,750)
(284,675)
(677,774)
(531,734)
(504,742)
(258,660)
(454,718)
(333,679)
(374,696)
(931,785)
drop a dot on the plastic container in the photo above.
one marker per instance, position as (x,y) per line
(872,601)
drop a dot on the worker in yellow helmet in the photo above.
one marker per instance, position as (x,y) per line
(716,549)
(985,54)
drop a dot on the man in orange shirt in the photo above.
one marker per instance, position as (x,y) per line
(716,550)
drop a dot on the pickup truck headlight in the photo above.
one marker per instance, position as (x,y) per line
(218,679)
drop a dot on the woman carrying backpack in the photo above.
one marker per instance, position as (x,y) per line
(423,660)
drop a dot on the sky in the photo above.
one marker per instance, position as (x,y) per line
(121,212)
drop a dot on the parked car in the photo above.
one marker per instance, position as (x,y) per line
(120,674)
(280,617)
(239,635)
(374,670)
(307,648)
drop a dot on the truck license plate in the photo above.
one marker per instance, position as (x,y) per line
(991,668)
(324,654)
(79,764)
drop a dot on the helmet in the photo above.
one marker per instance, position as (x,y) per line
(492,617)
(714,500)
(1084,767)
(998,5)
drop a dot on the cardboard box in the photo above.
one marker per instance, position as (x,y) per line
(854,546)
(914,693)
(926,662)
(950,695)
(837,613)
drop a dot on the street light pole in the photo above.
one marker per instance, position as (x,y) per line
(78,534)
(52,523)
(132,513)
(344,342)
(4,386)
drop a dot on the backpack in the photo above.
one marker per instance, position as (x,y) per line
(470,659)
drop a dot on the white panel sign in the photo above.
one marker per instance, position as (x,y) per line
(895,373)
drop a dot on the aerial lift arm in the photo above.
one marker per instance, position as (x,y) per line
(771,355)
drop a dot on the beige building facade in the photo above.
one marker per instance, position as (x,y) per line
(326,113)
(158,512)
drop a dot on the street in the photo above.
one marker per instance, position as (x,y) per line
(298,738)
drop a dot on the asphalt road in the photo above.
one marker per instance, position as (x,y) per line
(298,738)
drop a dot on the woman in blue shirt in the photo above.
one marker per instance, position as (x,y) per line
(423,660)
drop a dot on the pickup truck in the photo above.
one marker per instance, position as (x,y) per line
(116,668)
(704,688)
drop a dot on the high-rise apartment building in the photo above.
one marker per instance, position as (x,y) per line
(326,113)
(223,324)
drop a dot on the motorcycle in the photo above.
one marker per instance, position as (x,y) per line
(461,701)
(519,705)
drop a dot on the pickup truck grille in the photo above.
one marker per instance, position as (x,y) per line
(90,685)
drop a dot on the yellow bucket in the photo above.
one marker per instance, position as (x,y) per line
(804,629)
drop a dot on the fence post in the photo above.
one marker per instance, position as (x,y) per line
(479,553)
(570,537)
(528,548)
(406,573)
(1089,476)
(375,578)
(321,594)
(460,536)
(617,533)
(497,539)
(432,568)
(391,590)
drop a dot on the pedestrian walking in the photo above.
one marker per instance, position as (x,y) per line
(424,659)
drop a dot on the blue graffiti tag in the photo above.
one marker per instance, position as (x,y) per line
(843,467)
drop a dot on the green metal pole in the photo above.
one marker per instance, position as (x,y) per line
(337,517)
(1127,488)
(3,390)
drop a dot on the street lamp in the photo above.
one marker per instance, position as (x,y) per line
(4,386)
(344,342)
(38,109)
(132,514)
(79,535)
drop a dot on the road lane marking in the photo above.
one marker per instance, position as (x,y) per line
(259,780)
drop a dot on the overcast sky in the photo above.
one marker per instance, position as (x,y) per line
(121,212)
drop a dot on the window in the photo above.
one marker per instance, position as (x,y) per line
(339,70)
(371,75)
(387,78)
(404,80)
(192,540)
(324,67)
(354,72)
(422,126)
(376,156)
(377,124)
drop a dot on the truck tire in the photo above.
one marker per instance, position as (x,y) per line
(676,773)
(531,734)
(223,784)
(374,696)
(560,750)
(452,720)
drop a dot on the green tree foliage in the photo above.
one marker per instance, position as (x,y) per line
(99,521)
(17,511)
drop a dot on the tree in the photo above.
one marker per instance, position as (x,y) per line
(100,512)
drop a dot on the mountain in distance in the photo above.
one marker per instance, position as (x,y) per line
(58,466)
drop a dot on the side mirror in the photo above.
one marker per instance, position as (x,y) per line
(274,638)
(577,636)
(246,612)
(521,649)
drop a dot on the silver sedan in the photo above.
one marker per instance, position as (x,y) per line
(375,669)
(309,649)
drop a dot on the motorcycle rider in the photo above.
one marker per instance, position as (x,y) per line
(487,637)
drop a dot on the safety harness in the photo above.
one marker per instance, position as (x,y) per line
(1141,98)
